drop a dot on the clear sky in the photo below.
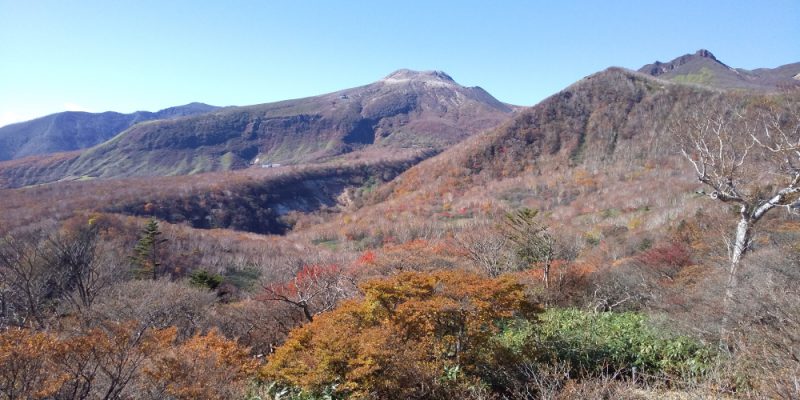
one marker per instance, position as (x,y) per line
(99,55)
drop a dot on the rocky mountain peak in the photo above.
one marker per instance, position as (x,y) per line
(659,68)
(705,54)
(703,68)
(405,75)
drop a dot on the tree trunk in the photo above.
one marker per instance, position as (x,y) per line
(307,312)
(547,274)
(740,246)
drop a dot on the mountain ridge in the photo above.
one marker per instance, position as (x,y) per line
(703,68)
(75,130)
(406,110)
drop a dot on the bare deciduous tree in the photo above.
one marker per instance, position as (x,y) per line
(25,280)
(84,265)
(158,304)
(488,249)
(748,154)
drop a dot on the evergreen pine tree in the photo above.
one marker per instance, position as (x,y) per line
(534,244)
(146,253)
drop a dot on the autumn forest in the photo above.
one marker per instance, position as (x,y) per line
(634,236)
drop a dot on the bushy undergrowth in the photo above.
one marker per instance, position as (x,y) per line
(592,344)
(448,335)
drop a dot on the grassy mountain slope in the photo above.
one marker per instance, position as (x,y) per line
(407,109)
(71,130)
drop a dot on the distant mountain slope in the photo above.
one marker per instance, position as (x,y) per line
(609,127)
(407,109)
(71,130)
(704,69)
(597,157)
(612,115)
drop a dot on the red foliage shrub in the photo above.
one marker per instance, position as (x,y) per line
(673,254)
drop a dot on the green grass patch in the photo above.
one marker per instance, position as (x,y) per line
(702,77)
(226,161)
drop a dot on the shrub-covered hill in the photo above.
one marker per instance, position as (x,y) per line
(430,290)
(407,109)
(627,229)
(613,120)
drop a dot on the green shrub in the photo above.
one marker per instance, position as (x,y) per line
(244,278)
(593,344)
(203,278)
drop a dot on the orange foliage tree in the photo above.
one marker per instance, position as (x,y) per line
(25,365)
(99,363)
(204,367)
(413,335)
(121,361)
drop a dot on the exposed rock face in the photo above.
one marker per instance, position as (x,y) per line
(407,75)
(660,68)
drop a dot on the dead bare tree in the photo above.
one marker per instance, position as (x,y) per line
(85,267)
(748,154)
(26,282)
(488,249)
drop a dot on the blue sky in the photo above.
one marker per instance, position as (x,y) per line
(147,55)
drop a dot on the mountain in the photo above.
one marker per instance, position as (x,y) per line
(704,69)
(612,115)
(72,130)
(406,110)
(598,158)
